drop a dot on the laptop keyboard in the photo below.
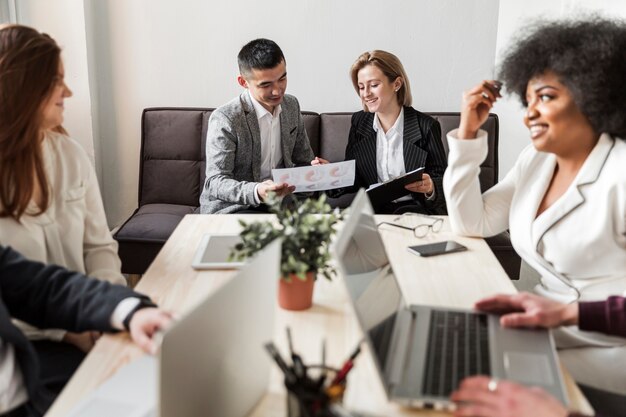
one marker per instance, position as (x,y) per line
(458,346)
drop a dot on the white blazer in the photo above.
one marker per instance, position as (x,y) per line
(73,231)
(578,245)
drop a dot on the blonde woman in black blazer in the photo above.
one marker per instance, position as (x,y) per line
(390,138)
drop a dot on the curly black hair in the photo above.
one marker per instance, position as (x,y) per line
(588,56)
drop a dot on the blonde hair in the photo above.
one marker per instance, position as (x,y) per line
(390,65)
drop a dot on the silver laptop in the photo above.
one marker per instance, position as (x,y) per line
(212,361)
(422,352)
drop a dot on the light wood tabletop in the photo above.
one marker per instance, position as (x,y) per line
(454,280)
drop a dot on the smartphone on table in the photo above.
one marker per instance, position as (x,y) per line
(437,248)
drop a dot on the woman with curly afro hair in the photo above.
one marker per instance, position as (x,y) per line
(564,201)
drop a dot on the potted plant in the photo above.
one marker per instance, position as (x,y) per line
(306,230)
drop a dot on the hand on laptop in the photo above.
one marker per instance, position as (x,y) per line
(145,324)
(479,396)
(529,310)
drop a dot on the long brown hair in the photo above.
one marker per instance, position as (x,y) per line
(29,63)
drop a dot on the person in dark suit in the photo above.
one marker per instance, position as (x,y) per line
(51,296)
(390,138)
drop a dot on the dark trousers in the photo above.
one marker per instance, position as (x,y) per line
(603,402)
(57,361)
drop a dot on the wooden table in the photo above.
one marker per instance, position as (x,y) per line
(454,280)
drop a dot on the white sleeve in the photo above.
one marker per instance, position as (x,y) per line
(122,310)
(99,248)
(470,212)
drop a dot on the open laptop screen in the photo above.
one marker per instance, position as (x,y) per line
(369,279)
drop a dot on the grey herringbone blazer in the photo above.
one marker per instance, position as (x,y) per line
(233,152)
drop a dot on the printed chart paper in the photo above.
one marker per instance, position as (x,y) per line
(317,177)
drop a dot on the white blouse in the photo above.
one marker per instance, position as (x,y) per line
(73,231)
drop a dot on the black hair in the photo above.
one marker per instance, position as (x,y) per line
(589,58)
(259,54)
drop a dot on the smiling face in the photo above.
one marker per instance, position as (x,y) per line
(267,86)
(376,91)
(53,106)
(555,122)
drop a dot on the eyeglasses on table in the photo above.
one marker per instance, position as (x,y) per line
(406,221)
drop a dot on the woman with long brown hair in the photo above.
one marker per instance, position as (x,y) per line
(50,204)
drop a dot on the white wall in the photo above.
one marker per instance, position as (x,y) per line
(64,21)
(124,55)
(165,53)
(512,18)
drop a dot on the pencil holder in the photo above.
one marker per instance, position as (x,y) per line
(310,397)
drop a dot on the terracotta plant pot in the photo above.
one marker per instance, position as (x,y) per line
(297,294)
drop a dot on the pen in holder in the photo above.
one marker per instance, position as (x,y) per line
(307,395)
(311,397)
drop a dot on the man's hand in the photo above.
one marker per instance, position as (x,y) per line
(280,190)
(529,310)
(144,324)
(424,186)
(83,341)
(506,399)
(319,161)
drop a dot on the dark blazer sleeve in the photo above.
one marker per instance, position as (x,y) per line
(49,296)
(436,164)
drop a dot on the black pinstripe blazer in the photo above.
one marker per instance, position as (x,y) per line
(422,147)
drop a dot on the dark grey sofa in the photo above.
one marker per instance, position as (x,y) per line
(172,170)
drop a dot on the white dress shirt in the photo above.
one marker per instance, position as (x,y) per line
(390,149)
(73,231)
(271,145)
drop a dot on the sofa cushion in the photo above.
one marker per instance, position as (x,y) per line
(489,167)
(312,126)
(153,222)
(172,157)
(334,130)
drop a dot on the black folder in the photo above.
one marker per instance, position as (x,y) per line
(393,189)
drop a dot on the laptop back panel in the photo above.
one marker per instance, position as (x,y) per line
(375,294)
(212,361)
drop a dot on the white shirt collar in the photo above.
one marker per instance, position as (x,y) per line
(398,126)
(261,111)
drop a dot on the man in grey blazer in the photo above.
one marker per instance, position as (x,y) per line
(260,130)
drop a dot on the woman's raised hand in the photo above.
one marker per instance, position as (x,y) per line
(477,102)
